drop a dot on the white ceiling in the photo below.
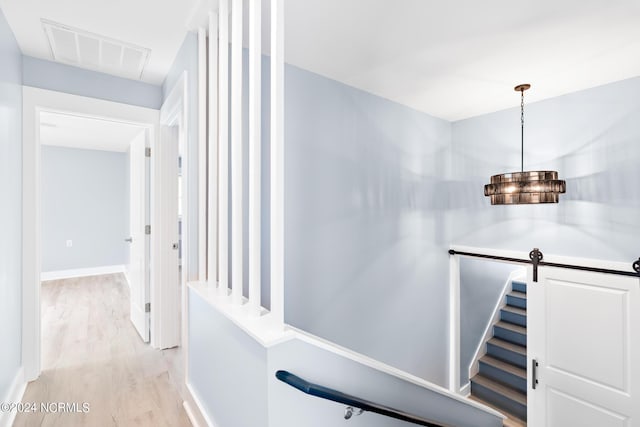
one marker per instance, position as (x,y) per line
(452,59)
(159,25)
(66,130)
(460,58)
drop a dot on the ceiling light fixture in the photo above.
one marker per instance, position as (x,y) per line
(531,187)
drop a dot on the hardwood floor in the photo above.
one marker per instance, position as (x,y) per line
(91,353)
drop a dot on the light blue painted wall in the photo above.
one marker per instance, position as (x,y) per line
(365,223)
(592,138)
(11,206)
(50,75)
(84,199)
(187,60)
(227,368)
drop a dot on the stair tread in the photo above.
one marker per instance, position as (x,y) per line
(511,420)
(518,294)
(504,366)
(500,388)
(515,310)
(508,346)
(512,327)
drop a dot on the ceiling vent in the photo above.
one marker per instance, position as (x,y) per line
(95,52)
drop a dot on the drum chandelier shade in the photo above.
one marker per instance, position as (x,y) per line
(531,187)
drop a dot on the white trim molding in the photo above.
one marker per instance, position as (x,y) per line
(16,391)
(83,272)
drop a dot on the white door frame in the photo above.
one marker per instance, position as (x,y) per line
(35,101)
(173,113)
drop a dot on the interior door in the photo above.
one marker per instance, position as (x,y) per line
(169,297)
(138,261)
(584,333)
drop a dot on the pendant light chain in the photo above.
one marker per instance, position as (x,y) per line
(522,130)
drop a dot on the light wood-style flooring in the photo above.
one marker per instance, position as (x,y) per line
(92,353)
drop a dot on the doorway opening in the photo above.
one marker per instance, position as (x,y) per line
(37,103)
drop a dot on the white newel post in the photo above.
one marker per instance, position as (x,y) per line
(277,161)
(454,323)
(223,147)
(236,153)
(255,76)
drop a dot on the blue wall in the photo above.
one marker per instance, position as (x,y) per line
(11,206)
(187,60)
(84,199)
(365,219)
(592,138)
(50,75)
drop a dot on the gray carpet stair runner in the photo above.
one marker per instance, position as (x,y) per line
(502,378)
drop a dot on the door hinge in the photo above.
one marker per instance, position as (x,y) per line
(147,151)
(534,373)
(147,229)
(147,307)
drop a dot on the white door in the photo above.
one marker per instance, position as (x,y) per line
(584,332)
(169,296)
(138,276)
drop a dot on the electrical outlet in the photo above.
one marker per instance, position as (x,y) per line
(69,243)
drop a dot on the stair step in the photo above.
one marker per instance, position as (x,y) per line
(508,346)
(506,373)
(512,333)
(517,299)
(514,315)
(504,366)
(505,398)
(519,286)
(507,352)
(502,389)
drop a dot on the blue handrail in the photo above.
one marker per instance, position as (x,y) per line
(346,399)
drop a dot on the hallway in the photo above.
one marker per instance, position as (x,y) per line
(91,353)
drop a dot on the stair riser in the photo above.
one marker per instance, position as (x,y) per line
(519,286)
(499,400)
(516,319)
(516,302)
(505,355)
(510,336)
(503,377)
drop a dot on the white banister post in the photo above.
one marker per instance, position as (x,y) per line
(277,161)
(212,228)
(236,153)
(223,147)
(202,154)
(454,323)
(255,76)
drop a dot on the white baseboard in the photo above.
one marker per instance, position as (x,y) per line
(18,386)
(81,272)
(195,412)
(465,390)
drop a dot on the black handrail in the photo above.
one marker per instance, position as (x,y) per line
(536,259)
(346,399)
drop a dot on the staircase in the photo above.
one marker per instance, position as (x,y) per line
(502,377)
